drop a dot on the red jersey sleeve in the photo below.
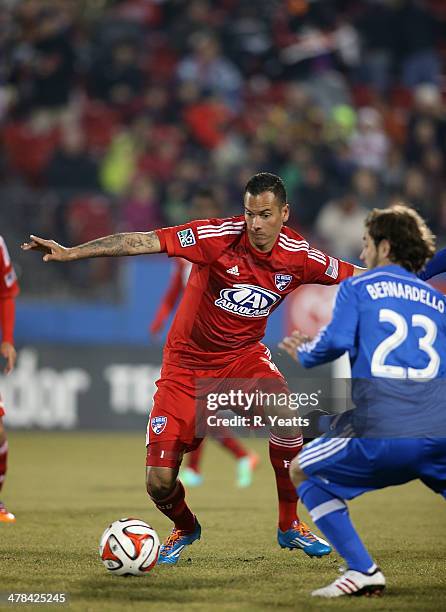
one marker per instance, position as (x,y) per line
(200,242)
(8,290)
(323,269)
(8,279)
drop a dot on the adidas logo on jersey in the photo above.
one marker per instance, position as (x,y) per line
(233,270)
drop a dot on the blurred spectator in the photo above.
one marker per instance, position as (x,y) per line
(176,203)
(366,189)
(393,172)
(54,67)
(340,224)
(311,196)
(159,160)
(292,171)
(248,38)
(28,147)
(441,214)
(120,162)
(100,123)
(418,30)
(230,153)
(348,44)
(71,168)
(89,217)
(416,192)
(192,173)
(147,12)
(118,79)
(376,25)
(207,121)
(205,205)
(140,212)
(422,139)
(212,71)
(156,104)
(369,144)
(428,111)
(189,19)
(432,165)
(341,165)
(328,90)
(42,65)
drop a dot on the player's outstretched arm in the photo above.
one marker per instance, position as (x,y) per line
(358,270)
(333,340)
(116,245)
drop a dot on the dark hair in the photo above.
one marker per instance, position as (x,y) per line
(411,241)
(265,181)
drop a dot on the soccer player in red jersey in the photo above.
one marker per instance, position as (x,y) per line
(244,267)
(204,206)
(8,291)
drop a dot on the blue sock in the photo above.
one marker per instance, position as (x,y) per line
(331,516)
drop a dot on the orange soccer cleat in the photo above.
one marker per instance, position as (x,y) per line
(5,516)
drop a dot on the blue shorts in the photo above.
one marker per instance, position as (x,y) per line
(348,467)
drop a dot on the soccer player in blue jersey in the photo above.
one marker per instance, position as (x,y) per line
(393,326)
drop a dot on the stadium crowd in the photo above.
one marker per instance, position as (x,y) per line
(114,114)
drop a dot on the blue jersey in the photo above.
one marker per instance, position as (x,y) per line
(393,326)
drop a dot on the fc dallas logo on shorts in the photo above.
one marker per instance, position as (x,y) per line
(158,424)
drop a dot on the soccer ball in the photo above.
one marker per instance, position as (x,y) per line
(129,547)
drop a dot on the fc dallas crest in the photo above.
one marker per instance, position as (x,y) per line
(282,281)
(158,424)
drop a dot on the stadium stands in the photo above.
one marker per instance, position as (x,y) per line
(343,98)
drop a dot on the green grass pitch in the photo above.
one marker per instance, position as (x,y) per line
(66,488)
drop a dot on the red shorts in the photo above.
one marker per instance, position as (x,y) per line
(171,430)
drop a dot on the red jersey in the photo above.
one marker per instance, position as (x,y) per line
(234,287)
(8,291)
(8,278)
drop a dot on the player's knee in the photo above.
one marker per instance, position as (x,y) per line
(281,411)
(160,482)
(296,473)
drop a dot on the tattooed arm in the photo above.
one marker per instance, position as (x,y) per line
(132,243)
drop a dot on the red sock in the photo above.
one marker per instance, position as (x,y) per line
(234,447)
(174,507)
(281,452)
(194,458)
(3,461)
